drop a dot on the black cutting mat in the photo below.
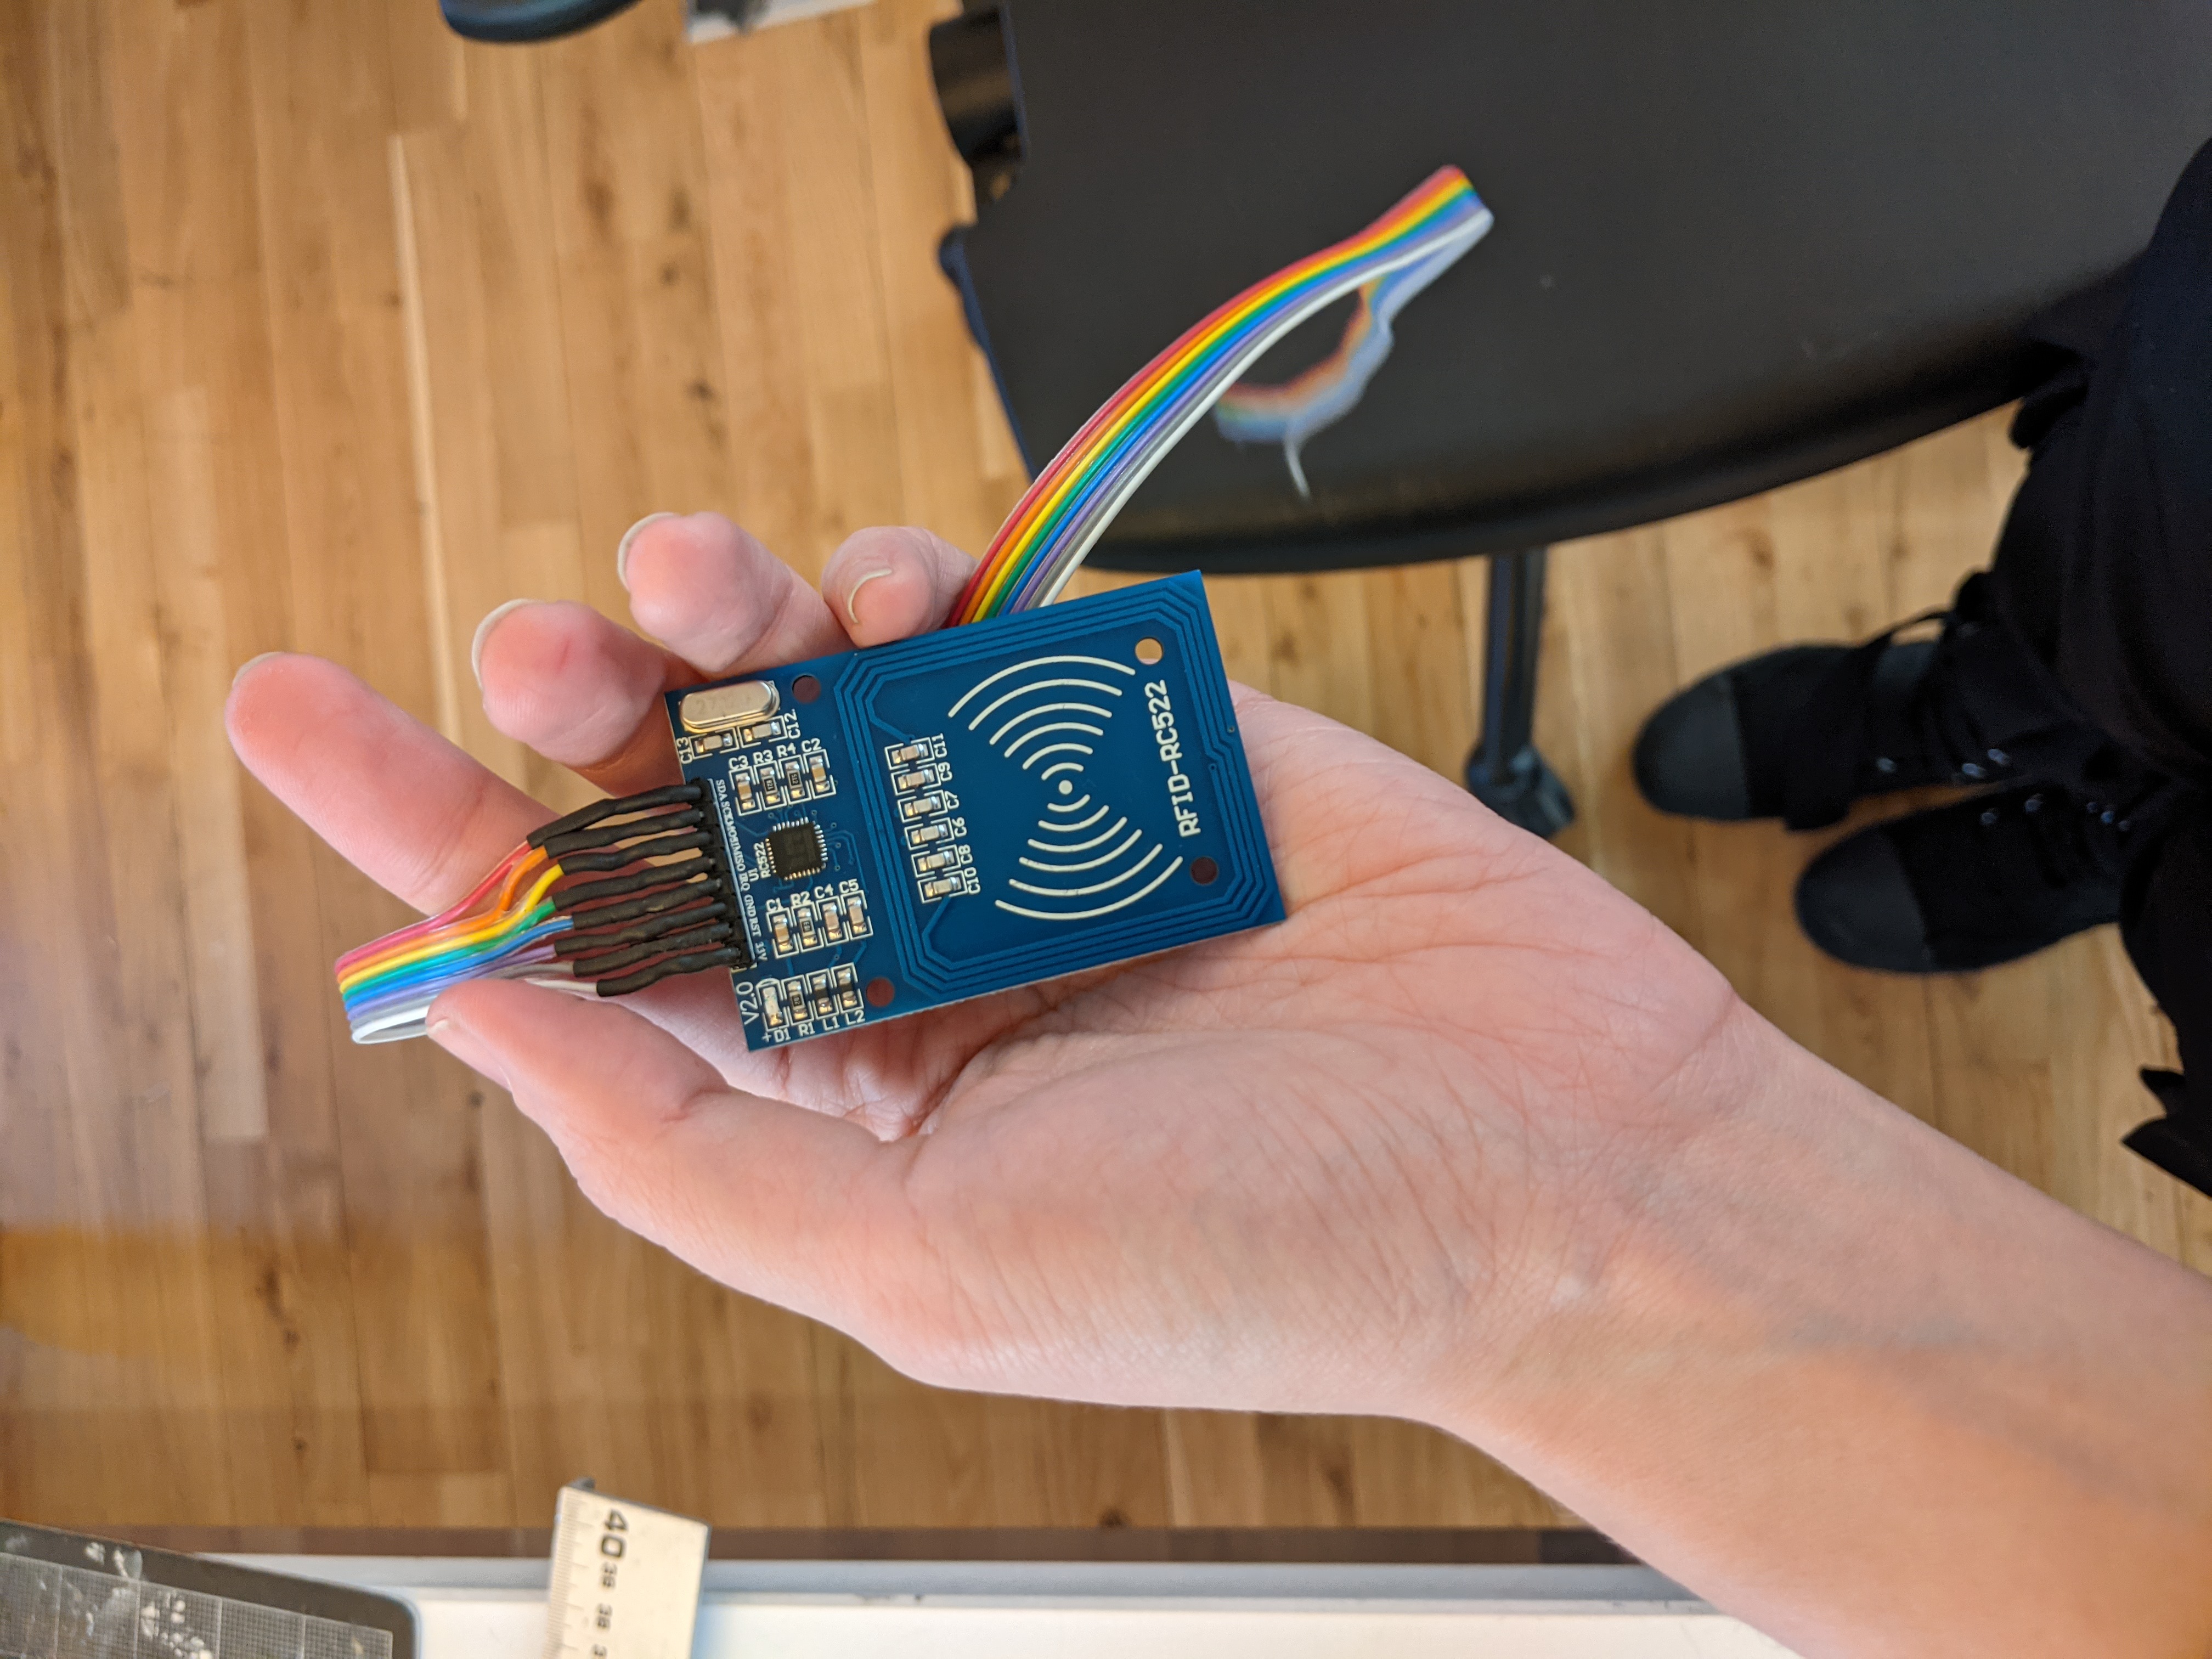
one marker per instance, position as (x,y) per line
(65,1595)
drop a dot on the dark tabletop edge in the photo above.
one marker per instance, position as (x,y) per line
(1364,1545)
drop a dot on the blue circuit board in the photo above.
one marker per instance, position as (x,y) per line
(979,808)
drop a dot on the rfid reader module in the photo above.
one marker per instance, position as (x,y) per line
(976,809)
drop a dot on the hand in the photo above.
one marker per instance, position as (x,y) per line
(1291,1170)
(1469,1138)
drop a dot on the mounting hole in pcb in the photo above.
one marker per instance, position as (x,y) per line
(1203,871)
(879,993)
(1149,651)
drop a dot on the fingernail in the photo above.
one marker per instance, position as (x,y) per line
(250,664)
(622,547)
(852,595)
(483,632)
(463,1045)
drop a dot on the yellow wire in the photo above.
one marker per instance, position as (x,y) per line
(460,937)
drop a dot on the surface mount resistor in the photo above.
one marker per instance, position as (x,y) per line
(809,936)
(771,792)
(795,781)
(922,806)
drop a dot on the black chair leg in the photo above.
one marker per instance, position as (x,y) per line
(1506,772)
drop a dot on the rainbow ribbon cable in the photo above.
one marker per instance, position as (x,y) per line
(658,905)
(1073,500)
(1320,397)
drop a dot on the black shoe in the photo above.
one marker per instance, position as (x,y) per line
(1969,885)
(1801,733)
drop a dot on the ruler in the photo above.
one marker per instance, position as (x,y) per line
(625,1581)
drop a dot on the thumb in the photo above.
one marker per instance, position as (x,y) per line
(766,1197)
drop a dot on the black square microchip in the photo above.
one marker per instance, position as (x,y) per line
(795,851)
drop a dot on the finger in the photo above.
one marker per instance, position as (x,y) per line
(585,692)
(714,596)
(887,584)
(397,801)
(581,691)
(762,1195)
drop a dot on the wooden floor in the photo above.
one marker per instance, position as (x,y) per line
(320,332)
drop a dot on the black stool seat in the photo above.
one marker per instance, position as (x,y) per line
(1738,241)
(511,20)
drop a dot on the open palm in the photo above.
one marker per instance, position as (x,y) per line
(1268,1170)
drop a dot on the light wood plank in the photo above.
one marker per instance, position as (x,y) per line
(772,488)
(1603,594)
(1319,653)
(112,1001)
(640,334)
(818,101)
(1214,1469)
(408,1154)
(1417,655)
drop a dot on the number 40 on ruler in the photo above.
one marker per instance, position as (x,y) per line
(625,1580)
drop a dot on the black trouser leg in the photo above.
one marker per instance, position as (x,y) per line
(2104,573)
